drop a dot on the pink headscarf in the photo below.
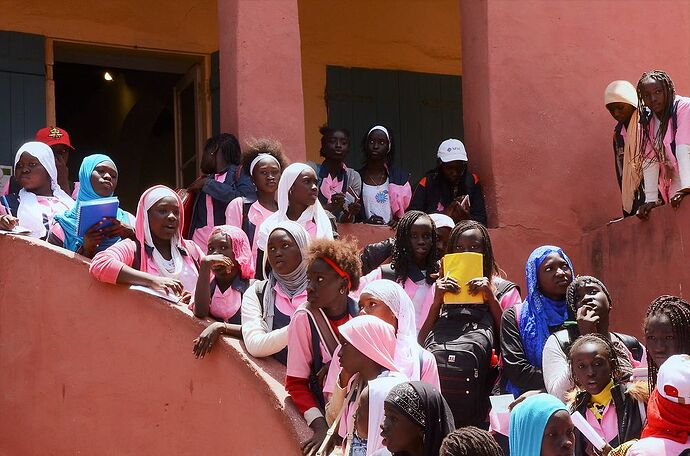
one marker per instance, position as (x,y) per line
(407,350)
(240,248)
(373,337)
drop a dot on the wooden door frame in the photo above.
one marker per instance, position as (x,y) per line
(203,88)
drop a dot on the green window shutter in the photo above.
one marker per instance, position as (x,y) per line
(22,91)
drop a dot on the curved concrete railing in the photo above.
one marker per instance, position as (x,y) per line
(92,368)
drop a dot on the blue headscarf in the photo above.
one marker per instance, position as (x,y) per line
(68,220)
(528,421)
(539,312)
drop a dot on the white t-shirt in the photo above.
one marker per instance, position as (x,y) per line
(376,201)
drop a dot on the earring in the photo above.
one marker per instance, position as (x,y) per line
(342,291)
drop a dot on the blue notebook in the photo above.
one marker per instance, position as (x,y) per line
(92,212)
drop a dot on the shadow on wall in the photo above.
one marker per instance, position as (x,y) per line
(111,371)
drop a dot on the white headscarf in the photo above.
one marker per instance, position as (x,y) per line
(30,213)
(315,212)
(407,349)
(162,264)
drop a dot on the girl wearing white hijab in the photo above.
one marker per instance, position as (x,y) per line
(159,258)
(297,201)
(40,198)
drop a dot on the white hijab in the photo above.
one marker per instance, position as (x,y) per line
(30,213)
(407,349)
(177,263)
(315,212)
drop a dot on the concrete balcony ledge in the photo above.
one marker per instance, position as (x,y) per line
(93,368)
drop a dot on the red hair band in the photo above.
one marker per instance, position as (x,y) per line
(337,269)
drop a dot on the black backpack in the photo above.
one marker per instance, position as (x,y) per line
(461,341)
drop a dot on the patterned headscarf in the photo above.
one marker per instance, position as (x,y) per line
(423,405)
(538,311)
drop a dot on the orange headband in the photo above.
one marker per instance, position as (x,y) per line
(337,269)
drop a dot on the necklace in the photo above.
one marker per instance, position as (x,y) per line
(381,178)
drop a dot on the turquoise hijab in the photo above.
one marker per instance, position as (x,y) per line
(68,220)
(528,421)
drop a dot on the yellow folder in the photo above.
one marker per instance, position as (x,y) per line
(463,267)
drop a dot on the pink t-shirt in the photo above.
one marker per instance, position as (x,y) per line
(225,305)
(201,235)
(608,427)
(656,446)
(106,265)
(257,214)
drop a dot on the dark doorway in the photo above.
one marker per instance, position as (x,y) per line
(420,109)
(130,118)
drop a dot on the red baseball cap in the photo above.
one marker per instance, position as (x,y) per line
(52,136)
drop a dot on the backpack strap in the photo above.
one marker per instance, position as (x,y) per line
(565,337)
(632,344)
(315,386)
(247,226)
(323,328)
(387,272)
(260,289)
(674,126)
(503,287)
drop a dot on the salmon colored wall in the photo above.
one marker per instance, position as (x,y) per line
(260,76)
(187,25)
(92,368)
(534,74)
(639,261)
(385,34)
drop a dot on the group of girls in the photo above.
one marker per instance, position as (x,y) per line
(353,345)
(651,142)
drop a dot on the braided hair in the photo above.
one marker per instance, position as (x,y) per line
(677,310)
(227,144)
(402,249)
(617,373)
(580,282)
(658,140)
(470,441)
(490,268)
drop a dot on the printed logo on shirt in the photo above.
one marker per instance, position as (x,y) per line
(382,196)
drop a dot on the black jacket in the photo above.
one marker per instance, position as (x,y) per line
(433,192)
(630,419)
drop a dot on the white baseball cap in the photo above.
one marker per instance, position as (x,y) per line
(673,380)
(452,150)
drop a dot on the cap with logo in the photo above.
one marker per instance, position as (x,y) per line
(53,136)
(452,150)
(673,380)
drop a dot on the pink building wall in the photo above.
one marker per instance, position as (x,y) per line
(536,129)
(261,73)
(91,368)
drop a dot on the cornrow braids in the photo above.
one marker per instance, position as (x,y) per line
(618,375)
(579,282)
(402,249)
(470,441)
(658,140)
(490,268)
(677,310)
